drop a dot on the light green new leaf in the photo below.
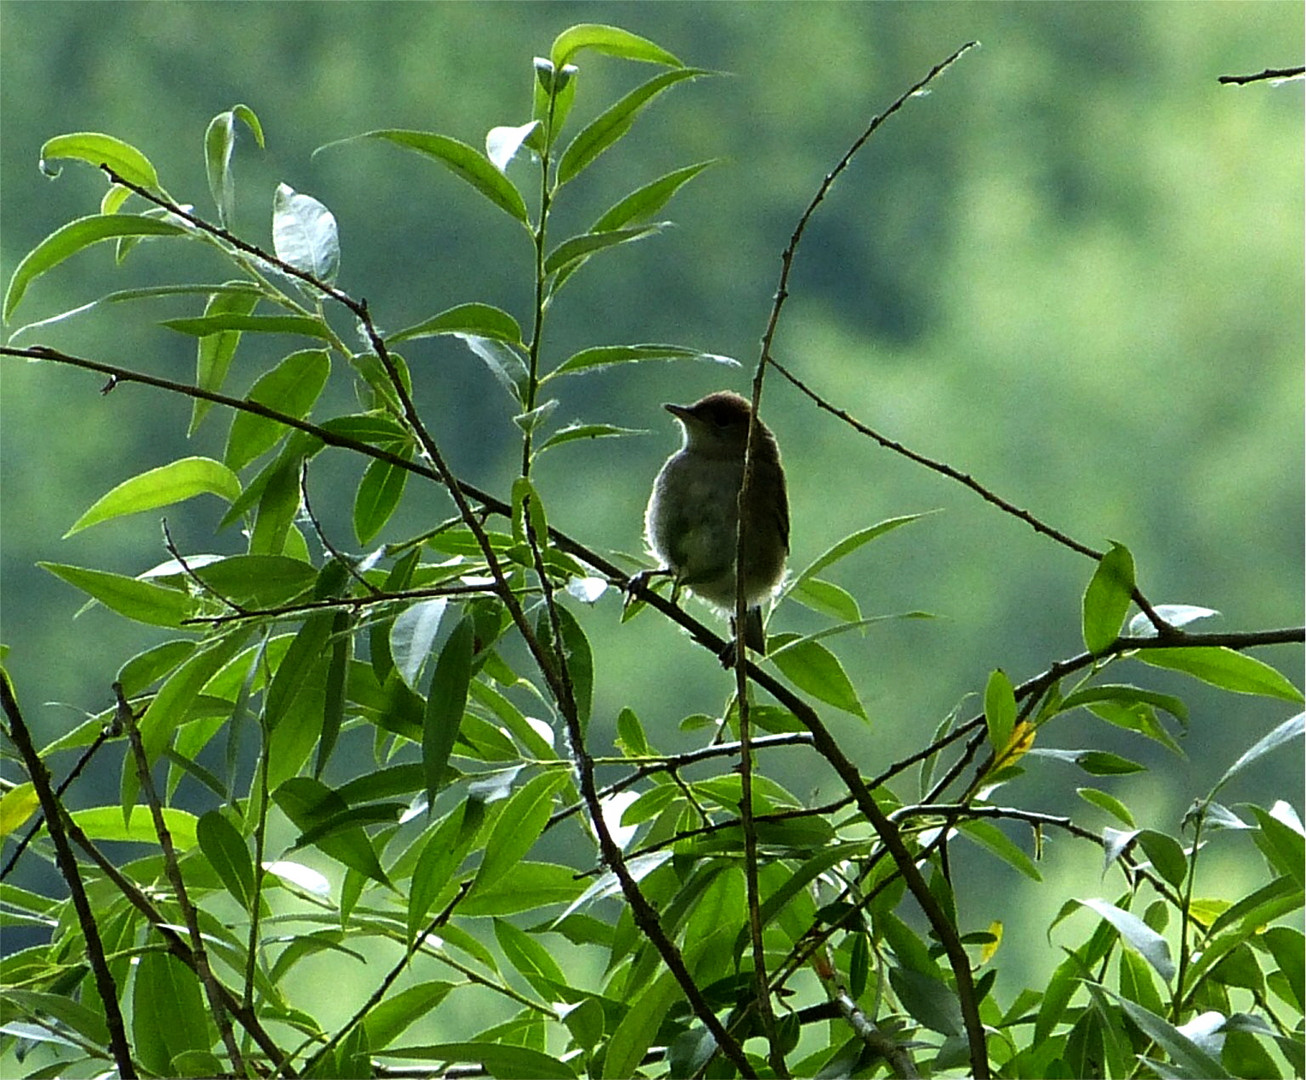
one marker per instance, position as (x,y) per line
(72,238)
(481,320)
(139,600)
(464,161)
(214,352)
(163,486)
(639,1027)
(497,1059)
(604,355)
(1107,598)
(98,149)
(106,823)
(17,805)
(1166,855)
(646,201)
(849,544)
(614,122)
(813,668)
(292,387)
(827,598)
(611,40)
(168,1014)
(999,710)
(219,141)
(1224,668)
(304,234)
(567,256)
(994,840)
(1109,803)
(395,1012)
(1153,947)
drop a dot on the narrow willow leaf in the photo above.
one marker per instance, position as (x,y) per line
(1126,695)
(258,580)
(412,637)
(377,498)
(304,234)
(502,143)
(311,805)
(1107,598)
(164,486)
(302,659)
(1109,803)
(72,238)
(504,362)
(646,201)
(994,840)
(214,352)
(1153,947)
(532,961)
(304,325)
(605,355)
(638,1028)
(442,854)
(552,96)
(106,823)
(98,149)
(445,705)
(518,827)
(464,161)
(17,806)
(851,543)
(570,253)
(1224,668)
(292,387)
(391,1016)
(228,854)
(611,40)
(1093,762)
(812,667)
(482,320)
(1291,729)
(999,710)
(1166,855)
(577,652)
(607,128)
(219,141)
(137,600)
(574,432)
(1183,1051)
(168,1013)
(496,1059)
(337,683)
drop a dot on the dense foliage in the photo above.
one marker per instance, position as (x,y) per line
(368,744)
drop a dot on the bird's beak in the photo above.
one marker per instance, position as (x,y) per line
(680,412)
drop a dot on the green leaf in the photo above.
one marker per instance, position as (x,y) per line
(813,668)
(604,130)
(1107,598)
(518,827)
(646,201)
(1176,615)
(1281,840)
(258,580)
(480,320)
(169,1017)
(1286,945)
(604,355)
(530,886)
(441,856)
(313,807)
(337,682)
(504,362)
(573,432)
(579,657)
(996,842)
(1093,762)
(303,325)
(377,498)
(1109,803)
(412,637)
(226,851)
(1291,729)
(566,257)
(1224,668)
(531,959)
(1153,947)
(1183,1052)
(395,1012)
(72,238)
(999,710)
(138,600)
(292,387)
(214,352)
(97,149)
(928,1000)
(464,161)
(219,141)
(1123,694)
(849,544)
(498,1059)
(302,659)
(163,486)
(445,705)
(106,823)
(827,598)
(613,41)
(639,1027)
(1166,855)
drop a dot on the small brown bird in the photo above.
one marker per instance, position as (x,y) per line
(691,523)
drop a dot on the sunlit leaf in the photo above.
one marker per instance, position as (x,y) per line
(481,320)
(138,600)
(292,387)
(1224,668)
(605,355)
(813,668)
(98,149)
(611,40)
(1107,598)
(646,201)
(502,143)
(163,486)
(1153,947)
(304,234)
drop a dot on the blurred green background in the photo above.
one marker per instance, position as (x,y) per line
(1074,270)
